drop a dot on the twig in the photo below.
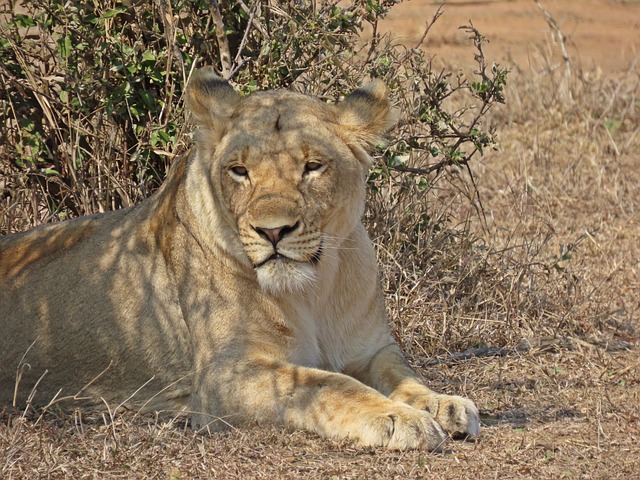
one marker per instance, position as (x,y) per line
(374,40)
(429,24)
(221,37)
(479,208)
(563,45)
(253,20)
(436,167)
(19,370)
(539,344)
(238,61)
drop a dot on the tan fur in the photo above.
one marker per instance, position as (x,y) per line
(244,291)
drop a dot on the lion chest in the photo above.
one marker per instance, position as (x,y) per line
(306,348)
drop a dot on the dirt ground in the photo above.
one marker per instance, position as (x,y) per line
(601,34)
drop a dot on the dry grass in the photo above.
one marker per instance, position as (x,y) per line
(550,256)
(550,415)
(546,246)
(563,409)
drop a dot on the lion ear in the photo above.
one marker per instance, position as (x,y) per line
(210,98)
(366,114)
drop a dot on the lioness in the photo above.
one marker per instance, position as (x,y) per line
(244,291)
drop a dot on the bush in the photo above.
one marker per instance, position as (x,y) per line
(93,92)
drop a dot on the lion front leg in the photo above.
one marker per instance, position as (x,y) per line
(330,404)
(389,373)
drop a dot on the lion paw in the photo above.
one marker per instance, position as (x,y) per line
(401,428)
(456,415)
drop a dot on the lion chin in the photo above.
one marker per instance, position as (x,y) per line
(282,275)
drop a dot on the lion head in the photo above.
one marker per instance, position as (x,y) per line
(279,176)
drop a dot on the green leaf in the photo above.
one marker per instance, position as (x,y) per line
(64,44)
(612,124)
(146,98)
(24,21)
(114,11)
(149,56)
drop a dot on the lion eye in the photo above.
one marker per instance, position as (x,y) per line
(239,171)
(312,166)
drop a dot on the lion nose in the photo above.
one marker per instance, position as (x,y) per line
(274,235)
